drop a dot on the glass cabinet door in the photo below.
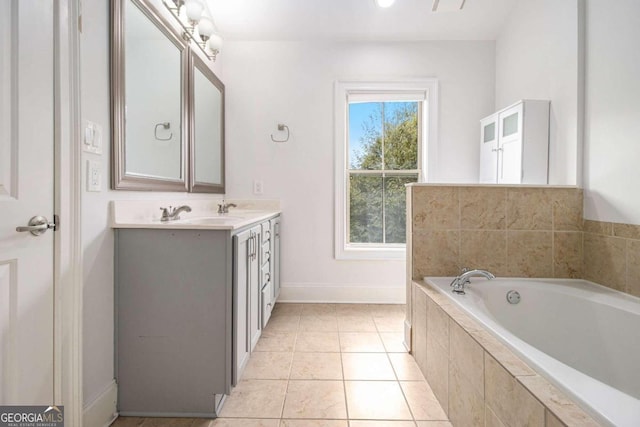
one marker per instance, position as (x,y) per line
(488,150)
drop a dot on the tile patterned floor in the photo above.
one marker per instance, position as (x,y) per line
(326,365)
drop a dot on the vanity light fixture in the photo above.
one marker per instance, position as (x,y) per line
(207,40)
(384,3)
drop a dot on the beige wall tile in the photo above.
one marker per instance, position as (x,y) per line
(511,402)
(567,209)
(483,208)
(467,355)
(605,260)
(633,267)
(567,255)
(529,253)
(437,373)
(435,208)
(491,419)
(628,231)
(484,249)
(598,227)
(435,253)
(512,363)
(551,420)
(437,324)
(466,407)
(419,328)
(529,209)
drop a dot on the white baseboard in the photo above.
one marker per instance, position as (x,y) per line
(331,293)
(102,411)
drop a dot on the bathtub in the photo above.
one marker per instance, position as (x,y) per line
(582,337)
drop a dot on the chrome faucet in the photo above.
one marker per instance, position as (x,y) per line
(173,214)
(459,282)
(224,207)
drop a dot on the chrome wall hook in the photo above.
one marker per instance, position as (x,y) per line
(281,127)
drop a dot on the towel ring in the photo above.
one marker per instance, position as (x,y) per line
(281,127)
(165,125)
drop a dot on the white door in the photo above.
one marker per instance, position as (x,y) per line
(26,190)
(489,150)
(510,145)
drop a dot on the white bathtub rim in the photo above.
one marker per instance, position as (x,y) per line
(624,410)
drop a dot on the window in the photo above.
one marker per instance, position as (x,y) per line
(381,134)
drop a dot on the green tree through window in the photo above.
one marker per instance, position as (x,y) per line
(383,157)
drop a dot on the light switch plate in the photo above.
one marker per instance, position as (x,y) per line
(92,138)
(94,176)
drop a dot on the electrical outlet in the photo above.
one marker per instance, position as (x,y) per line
(94,176)
(258,187)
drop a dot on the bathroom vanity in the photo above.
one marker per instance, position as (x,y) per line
(191,299)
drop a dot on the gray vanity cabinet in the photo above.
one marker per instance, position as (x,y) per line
(275,257)
(173,321)
(246,278)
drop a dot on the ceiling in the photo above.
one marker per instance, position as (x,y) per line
(357,20)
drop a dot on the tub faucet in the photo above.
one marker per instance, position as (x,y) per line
(459,282)
(173,214)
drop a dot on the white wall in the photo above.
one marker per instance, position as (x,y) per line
(612,129)
(98,320)
(292,83)
(537,58)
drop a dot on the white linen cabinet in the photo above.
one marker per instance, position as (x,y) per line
(514,144)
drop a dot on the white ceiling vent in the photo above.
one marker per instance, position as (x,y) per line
(447,5)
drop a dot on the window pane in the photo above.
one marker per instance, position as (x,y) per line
(395,207)
(365,209)
(365,135)
(400,135)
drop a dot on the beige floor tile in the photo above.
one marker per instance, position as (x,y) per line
(367,366)
(316,366)
(356,324)
(385,309)
(381,400)
(393,342)
(268,365)
(433,424)
(389,323)
(168,422)
(353,310)
(315,309)
(317,341)
(255,399)
(361,342)
(405,367)
(287,308)
(283,323)
(315,399)
(202,422)
(314,423)
(276,341)
(244,422)
(319,323)
(128,422)
(422,401)
(386,423)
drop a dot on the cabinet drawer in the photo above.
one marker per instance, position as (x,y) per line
(266,274)
(267,303)
(266,231)
(266,252)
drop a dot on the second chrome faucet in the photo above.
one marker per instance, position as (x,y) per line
(173,214)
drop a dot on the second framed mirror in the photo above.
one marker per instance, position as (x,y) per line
(206,129)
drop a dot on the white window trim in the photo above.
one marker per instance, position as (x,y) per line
(428,153)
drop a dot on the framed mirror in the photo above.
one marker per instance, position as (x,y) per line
(149,86)
(206,122)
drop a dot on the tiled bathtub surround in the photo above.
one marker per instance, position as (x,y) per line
(511,231)
(477,380)
(612,255)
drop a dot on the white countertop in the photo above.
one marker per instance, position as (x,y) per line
(134,214)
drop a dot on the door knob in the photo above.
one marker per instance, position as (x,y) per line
(37,226)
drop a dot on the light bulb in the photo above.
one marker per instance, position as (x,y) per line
(194,10)
(205,28)
(384,3)
(215,43)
